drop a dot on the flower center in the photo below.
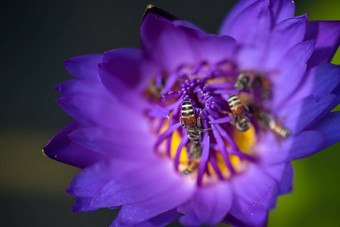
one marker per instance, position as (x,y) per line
(207,118)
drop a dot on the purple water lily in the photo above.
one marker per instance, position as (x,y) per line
(258,95)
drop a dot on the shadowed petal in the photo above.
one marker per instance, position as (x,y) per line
(64,150)
(327,36)
(329,128)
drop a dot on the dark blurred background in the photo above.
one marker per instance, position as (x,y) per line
(36,37)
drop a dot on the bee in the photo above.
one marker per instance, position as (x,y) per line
(189,122)
(244,80)
(238,113)
(254,81)
(264,86)
(274,125)
(194,158)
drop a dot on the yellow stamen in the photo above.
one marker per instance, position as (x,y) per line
(246,140)
(176,139)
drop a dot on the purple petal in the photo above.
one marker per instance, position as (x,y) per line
(303,113)
(255,187)
(190,218)
(245,214)
(212,203)
(83,204)
(122,142)
(158,11)
(189,27)
(327,36)
(171,197)
(85,66)
(292,68)
(121,66)
(125,73)
(282,10)
(127,67)
(244,28)
(320,81)
(283,174)
(167,44)
(329,128)
(235,12)
(63,150)
(285,35)
(336,92)
(160,220)
(217,48)
(204,159)
(90,180)
(302,145)
(279,9)
(95,111)
(142,185)
(84,86)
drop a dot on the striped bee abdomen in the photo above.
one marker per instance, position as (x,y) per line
(188,115)
(187,109)
(233,101)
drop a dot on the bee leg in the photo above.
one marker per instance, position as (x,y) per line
(227,112)
(182,122)
(206,129)
(199,125)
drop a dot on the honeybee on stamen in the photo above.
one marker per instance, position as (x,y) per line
(194,131)
(189,122)
(238,113)
(244,80)
(252,80)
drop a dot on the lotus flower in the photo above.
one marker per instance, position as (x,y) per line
(255,97)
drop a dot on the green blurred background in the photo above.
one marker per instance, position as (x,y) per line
(36,36)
